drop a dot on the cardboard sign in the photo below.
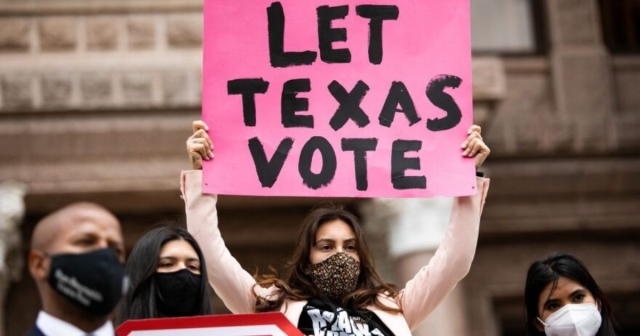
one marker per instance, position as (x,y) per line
(265,324)
(343,98)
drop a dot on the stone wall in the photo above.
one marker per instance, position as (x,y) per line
(95,95)
(94,61)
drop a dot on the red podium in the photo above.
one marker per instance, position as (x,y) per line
(265,324)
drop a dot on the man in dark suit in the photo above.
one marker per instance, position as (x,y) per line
(76,260)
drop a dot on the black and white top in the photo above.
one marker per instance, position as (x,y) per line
(323,318)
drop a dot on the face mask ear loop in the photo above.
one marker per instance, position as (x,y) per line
(541,321)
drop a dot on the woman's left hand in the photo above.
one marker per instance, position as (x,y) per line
(474,146)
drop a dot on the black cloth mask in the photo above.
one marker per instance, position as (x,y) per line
(94,281)
(178,293)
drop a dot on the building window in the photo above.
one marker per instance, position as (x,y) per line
(621,25)
(505,26)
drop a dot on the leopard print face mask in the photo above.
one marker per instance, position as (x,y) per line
(336,276)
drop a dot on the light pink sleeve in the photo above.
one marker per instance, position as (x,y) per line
(229,280)
(451,262)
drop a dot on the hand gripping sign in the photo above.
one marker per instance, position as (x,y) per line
(338,97)
(265,324)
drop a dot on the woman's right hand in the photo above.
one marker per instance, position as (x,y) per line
(199,145)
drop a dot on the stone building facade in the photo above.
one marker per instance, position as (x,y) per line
(96,100)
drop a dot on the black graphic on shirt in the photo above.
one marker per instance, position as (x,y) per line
(321,318)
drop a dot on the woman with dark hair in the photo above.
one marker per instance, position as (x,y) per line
(562,299)
(168,277)
(331,285)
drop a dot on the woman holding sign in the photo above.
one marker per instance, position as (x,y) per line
(331,285)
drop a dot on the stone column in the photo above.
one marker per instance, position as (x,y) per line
(582,74)
(11,262)
(414,230)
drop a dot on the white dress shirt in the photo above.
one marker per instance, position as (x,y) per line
(53,326)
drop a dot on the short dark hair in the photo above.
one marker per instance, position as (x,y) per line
(547,271)
(139,303)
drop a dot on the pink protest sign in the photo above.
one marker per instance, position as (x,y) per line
(343,98)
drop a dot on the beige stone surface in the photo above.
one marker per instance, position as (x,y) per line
(589,107)
(519,122)
(582,74)
(627,82)
(627,126)
(114,79)
(96,89)
(59,33)
(141,32)
(576,22)
(489,78)
(101,33)
(44,139)
(17,91)
(39,7)
(56,91)
(137,88)
(184,31)
(176,88)
(14,34)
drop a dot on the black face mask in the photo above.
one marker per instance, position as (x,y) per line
(94,281)
(178,293)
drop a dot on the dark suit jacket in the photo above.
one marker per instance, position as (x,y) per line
(35,332)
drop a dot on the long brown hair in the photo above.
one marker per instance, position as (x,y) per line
(298,285)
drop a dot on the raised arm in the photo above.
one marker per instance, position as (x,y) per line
(229,280)
(453,258)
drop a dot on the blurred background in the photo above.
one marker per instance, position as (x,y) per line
(97,98)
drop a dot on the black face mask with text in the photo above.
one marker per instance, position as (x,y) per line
(178,293)
(94,281)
